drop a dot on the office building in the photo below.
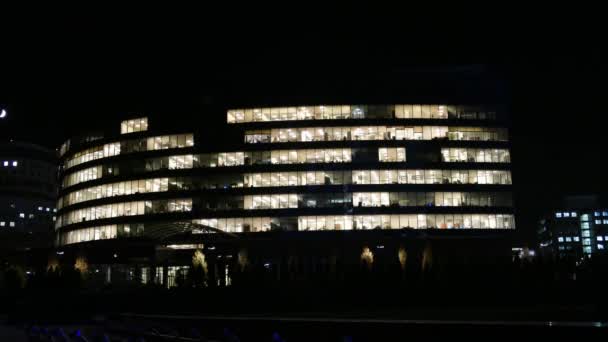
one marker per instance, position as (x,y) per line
(297,171)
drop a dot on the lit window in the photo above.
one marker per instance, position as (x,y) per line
(598,221)
(40,208)
(587,250)
(605,221)
(585,233)
(566,214)
(585,225)
(31,216)
(391,154)
(5,163)
(599,238)
(21,215)
(585,217)
(55,210)
(575,238)
(11,224)
(573,214)
(558,215)
(135,125)
(2,224)
(604,213)
(568,239)
(600,246)
(597,213)
(560,239)
(48,209)
(586,242)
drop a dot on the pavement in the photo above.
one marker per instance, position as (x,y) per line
(11,333)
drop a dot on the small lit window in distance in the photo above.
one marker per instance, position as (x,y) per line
(558,215)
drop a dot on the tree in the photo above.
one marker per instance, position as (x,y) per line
(82,265)
(198,272)
(402,255)
(367,257)
(427,258)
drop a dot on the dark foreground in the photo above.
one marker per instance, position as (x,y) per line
(135,327)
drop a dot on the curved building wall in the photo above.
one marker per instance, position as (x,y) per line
(347,167)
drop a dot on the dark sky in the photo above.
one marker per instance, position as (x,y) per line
(59,76)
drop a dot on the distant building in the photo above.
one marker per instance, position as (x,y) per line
(28,190)
(577,228)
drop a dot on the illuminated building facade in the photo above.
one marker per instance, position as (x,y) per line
(298,170)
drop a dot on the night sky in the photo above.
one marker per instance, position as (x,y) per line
(60,77)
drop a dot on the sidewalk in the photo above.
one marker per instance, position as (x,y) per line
(10,333)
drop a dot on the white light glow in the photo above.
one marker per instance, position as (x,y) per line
(3,114)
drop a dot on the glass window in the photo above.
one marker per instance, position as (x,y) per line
(323,112)
(391,154)
(376,133)
(135,125)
